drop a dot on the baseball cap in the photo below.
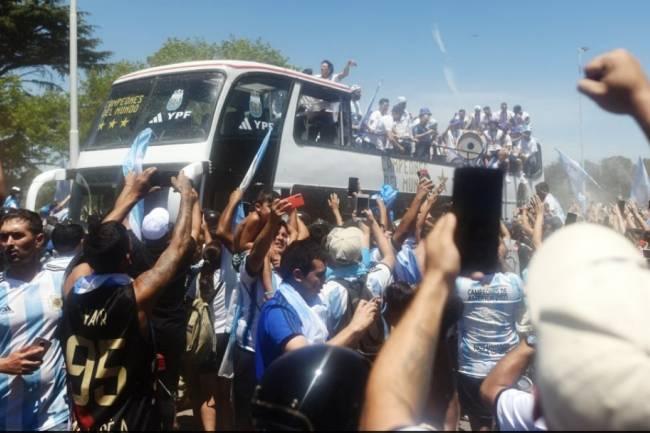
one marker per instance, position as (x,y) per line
(155,224)
(401,99)
(424,111)
(344,245)
(589,292)
(15,190)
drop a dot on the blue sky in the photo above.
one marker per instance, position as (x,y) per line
(515,51)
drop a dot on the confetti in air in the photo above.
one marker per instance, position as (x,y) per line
(449,77)
(438,38)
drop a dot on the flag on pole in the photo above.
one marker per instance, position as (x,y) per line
(240,215)
(252,169)
(640,191)
(133,164)
(578,178)
(366,116)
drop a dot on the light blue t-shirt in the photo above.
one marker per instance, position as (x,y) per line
(29,310)
(406,264)
(11,202)
(487,329)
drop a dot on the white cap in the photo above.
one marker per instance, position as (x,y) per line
(344,245)
(401,99)
(589,293)
(477,108)
(155,224)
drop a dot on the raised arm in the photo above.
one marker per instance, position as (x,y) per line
(346,69)
(224,226)
(506,373)
(334,203)
(400,380)
(408,220)
(383,213)
(424,213)
(616,82)
(538,228)
(255,260)
(136,186)
(385,248)
(149,284)
(247,231)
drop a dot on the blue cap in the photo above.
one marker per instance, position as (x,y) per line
(425,111)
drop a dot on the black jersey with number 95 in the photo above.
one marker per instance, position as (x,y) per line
(109,362)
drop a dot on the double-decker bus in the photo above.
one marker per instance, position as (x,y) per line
(210,117)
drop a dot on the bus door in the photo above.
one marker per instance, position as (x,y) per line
(254,103)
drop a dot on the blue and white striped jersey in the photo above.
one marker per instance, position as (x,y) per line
(29,310)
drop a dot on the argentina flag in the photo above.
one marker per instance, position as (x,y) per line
(133,163)
(640,191)
(578,178)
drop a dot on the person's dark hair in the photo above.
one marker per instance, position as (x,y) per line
(300,255)
(33,220)
(330,65)
(106,246)
(516,108)
(266,197)
(396,109)
(398,296)
(319,230)
(308,71)
(67,237)
(384,101)
(542,187)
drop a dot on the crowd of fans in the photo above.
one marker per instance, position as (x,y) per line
(276,321)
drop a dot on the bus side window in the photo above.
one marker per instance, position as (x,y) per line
(318,116)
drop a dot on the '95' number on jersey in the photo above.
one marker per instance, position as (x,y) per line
(88,364)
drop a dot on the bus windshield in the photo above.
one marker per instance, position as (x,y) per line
(179,108)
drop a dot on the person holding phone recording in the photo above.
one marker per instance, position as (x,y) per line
(32,379)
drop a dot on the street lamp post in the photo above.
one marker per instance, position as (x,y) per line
(581,50)
(74,126)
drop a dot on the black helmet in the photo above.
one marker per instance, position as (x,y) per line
(318,387)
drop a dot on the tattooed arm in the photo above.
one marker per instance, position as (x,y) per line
(398,387)
(148,285)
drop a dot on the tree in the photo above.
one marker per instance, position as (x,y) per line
(183,50)
(35,35)
(34,130)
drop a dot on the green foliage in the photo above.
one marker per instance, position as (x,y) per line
(34,129)
(35,34)
(183,50)
(613,174)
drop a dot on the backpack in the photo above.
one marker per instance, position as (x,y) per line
(374,337)
(200,339)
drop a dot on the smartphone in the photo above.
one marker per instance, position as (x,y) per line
(161,180)
(423,173)
(571,218)
(477,204)
(297,201)
(353,186)
(363,203)
(43,342)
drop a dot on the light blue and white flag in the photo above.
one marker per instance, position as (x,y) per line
(133,163)
(578,178)
(640,191)
(366,116)
(252,169)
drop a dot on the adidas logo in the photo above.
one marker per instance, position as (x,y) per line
(6,310)
(245,125)
(158,118)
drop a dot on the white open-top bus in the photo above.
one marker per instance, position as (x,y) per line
(209,117)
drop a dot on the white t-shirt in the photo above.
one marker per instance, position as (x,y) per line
(527,145)
(488,326)
(514,412)
(554,207)
(334,77)
(377,130)
(335,297)
(250,298)
(231,278)
(504,118)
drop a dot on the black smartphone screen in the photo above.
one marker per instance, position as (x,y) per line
(570,218)
(363,203)
(353,186)
(477,204)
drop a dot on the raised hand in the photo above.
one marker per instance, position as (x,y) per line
(139,184)
(441,252)
(616,82)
